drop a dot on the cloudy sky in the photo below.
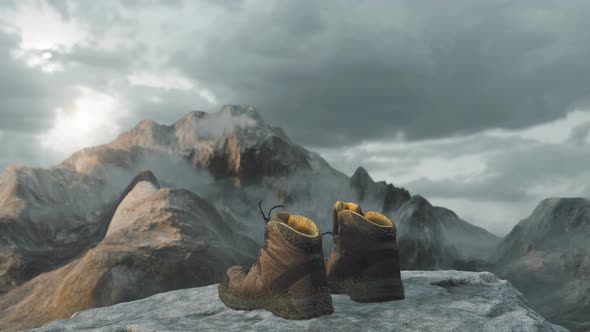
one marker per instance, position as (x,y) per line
(481,106)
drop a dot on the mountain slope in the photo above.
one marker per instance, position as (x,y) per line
(367,190)
(551,222)
(433,238)
(47,217)
(547,256)
(159,239)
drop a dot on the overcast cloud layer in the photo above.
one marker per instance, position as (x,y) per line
(479,106)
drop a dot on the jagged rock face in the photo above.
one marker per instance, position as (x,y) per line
(547,257)
(369,190)
(234,142)
(435,301)
(47,217)
(158,240)
(561,224)
(433,238)
(421,237)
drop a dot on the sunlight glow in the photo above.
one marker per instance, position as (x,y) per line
(55,32)
(90,120)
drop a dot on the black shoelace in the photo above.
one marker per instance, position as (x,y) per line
(266,220)
(267,216)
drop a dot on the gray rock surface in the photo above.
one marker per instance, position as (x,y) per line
(436,301)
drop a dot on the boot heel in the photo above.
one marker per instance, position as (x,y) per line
(289,307)
(382,290)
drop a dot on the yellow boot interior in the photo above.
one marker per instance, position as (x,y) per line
(372,216)
(299,223)
(378,219)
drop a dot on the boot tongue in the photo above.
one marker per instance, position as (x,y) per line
(339,207)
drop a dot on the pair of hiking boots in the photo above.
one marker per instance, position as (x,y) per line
(291,278)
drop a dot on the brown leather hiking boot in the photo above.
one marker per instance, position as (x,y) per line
(289,278)
(365,261)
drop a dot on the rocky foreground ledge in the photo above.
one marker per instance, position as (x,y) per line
(435,301)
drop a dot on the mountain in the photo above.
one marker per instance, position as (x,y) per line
(47,217)
(368,190)
(231,158)
(232,143)
(159,239)
(547,256)
(556,224)
(431,237)
(234,159)
(438,301)
(100,227)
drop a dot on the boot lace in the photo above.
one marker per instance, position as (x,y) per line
(266,219)
(267,216)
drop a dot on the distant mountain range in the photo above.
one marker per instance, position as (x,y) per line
(164,207)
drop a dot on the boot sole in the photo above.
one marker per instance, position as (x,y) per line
(383,290)
(280,305)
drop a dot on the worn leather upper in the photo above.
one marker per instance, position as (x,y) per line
(289,261)
(364,250)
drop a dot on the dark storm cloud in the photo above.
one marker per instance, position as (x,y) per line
(339,72)
(580,133)
(528,172)
(119,59)
(23,95)
(333,74)
(62,7)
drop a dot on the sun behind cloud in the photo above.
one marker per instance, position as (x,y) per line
(91,119)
